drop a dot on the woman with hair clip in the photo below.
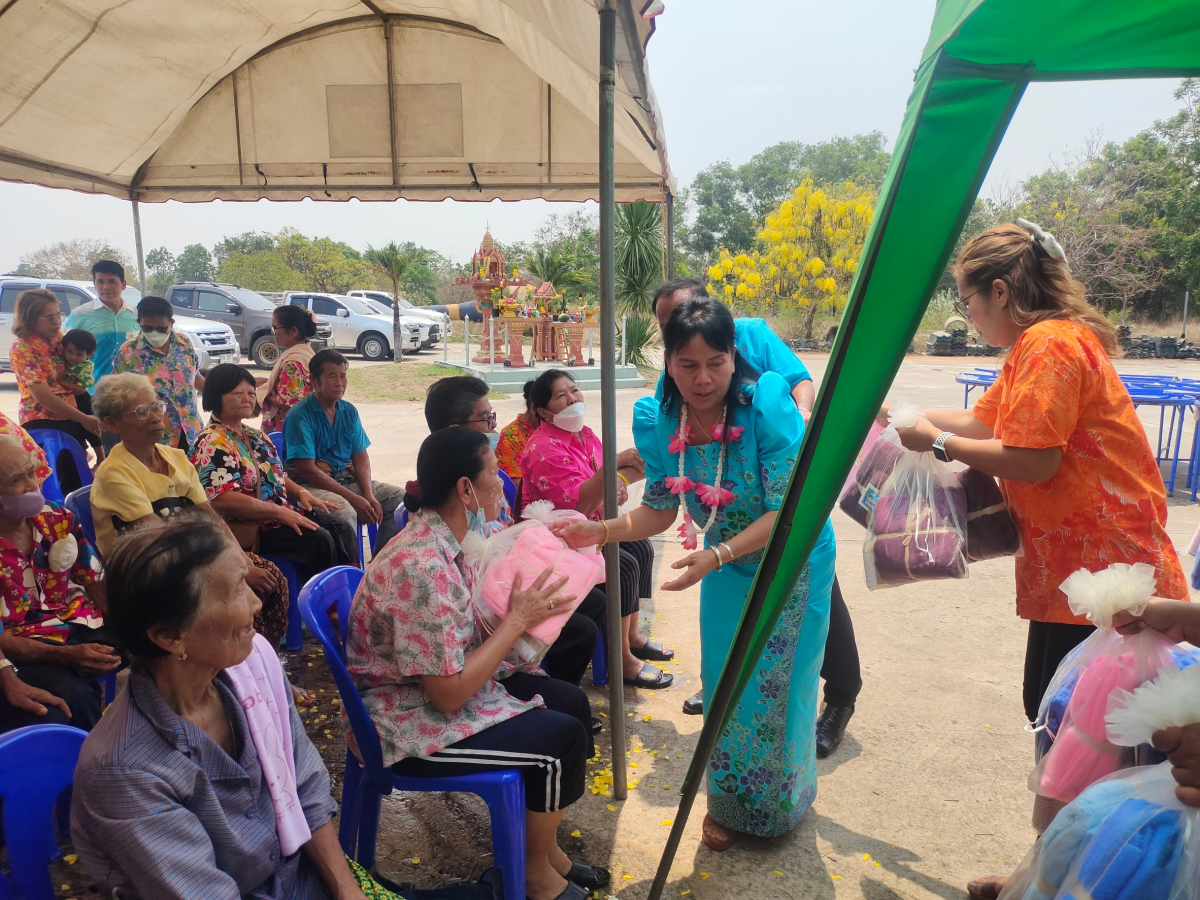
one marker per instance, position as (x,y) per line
(723,443)
(1060,433)
(288,382)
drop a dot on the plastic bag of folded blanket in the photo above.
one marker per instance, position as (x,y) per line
(1127,837)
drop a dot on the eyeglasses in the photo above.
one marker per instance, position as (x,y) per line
(490,419)
(54,317)
(158,407)
(960,305)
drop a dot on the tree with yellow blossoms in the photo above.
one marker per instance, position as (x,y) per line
(805,256)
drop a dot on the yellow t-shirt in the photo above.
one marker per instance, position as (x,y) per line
(125,491)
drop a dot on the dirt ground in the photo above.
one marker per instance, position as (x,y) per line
(927,791)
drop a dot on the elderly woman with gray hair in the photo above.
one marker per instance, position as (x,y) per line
(200,781)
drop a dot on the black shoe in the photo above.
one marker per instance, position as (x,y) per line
(831,728)
(694,705)
(590,877)
(597,726)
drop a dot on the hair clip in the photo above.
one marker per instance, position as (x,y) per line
(1045,240)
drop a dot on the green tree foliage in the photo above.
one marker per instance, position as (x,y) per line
(394,261)
(73,260)
(194,264)
(161,271)
(558,266)
(264,270)
(248,243)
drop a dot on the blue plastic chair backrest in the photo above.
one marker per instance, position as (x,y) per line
(401,516)
(39,764)
(80,503)
(510,489)
(335,588)
(280,448)
(53,443)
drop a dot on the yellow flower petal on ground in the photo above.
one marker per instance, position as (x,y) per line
(777,874)
(611,808)
(836,877)
(575,833)
(70,858)
(628,877)
(685,893)
(646,718)
(416,860)
(874,863)
(705,875)
(866,856)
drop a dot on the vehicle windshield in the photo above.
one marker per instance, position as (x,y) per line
(362,307)
(379,308)
(251,300)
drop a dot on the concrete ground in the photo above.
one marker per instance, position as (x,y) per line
(927,791)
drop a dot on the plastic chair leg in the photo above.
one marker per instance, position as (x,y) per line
(600,660)
(506,806)
(295,637)
(369,803)
(348,826)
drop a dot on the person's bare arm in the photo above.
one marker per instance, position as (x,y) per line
(525,609)
(699,563)
(239,506)
(310,474)
(60,409)
(1032,465)
(27,697)
(634,525)
(90,659)
(804,394)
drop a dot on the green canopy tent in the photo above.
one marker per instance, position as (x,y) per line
(980,56)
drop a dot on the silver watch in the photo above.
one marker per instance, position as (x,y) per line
(939,446)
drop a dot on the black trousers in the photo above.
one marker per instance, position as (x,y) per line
(81,692)
(550,747)
(637,570)
(64,466)
(1048,643)
(568,658)
(841,670)
(311,552)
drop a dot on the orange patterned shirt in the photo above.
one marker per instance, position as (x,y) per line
(1106,504)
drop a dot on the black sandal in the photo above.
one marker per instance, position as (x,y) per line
(590,878)
(652,651)
(651,677)
(573,892)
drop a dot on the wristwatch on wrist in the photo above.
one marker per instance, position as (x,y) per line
(939,445)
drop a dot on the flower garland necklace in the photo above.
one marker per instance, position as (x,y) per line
(712,495)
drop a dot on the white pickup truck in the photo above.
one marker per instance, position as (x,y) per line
(213,342)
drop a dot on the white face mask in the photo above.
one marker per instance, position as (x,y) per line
(571,418)
(156,339)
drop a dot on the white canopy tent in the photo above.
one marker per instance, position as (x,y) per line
(329,99)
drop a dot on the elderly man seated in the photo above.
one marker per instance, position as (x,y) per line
(327,451)
(53,643)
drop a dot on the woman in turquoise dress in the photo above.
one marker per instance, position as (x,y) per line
(736,433)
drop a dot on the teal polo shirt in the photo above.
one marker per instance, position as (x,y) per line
(111,330)
(309,434)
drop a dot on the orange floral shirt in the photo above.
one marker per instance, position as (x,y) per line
(1106,504)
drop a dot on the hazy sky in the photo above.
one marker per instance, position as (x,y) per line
(730,78)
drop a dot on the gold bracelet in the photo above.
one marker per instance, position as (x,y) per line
(623,478)
(604,525)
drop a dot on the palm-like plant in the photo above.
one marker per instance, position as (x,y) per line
(395,261)
(557,265)
(639,247)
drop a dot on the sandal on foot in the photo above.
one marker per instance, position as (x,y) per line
(573,892)
(303,697)
(590,878)
(651,677)
(988,888)
(713,841)
(653,651)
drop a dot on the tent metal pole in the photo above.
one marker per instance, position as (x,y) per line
(670,267)
(608,385)
(137,244)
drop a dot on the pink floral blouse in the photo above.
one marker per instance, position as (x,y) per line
(292,387)
(412,617)
(555,464)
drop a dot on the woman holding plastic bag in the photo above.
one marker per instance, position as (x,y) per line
(1060,433)
(722,443)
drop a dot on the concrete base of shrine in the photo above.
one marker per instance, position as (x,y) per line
(512,381)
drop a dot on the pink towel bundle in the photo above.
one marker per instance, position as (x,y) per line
(260,685)
(533,551)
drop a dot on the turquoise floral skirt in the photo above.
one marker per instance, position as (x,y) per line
(762,777)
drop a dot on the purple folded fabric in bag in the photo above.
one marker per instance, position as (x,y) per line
(876,466)
(918,541)
(991,530)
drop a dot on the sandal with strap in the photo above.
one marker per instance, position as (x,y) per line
(652,651)
(651,677)
(988,888)
(573,892)
(590,878)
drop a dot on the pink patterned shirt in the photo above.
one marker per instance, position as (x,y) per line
(556,463)
(412,617)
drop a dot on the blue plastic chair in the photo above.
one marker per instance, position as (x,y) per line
(295,636)
(39,766)
(53,443)
(510,489)
(600,660)
(364,788)
(401,516)
(280,447)
(80,503)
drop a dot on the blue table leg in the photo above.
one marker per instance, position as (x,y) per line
(1178,448)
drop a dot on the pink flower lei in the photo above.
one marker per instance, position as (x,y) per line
(713,495)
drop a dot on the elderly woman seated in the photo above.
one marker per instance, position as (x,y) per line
(244,480)
(53,643)
(142,481)
(187,787)
(446,701)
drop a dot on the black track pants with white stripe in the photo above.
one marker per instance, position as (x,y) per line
(550,747)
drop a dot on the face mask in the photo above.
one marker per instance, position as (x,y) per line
(493,439)
(155,339)
(22,506)
(476,521)
(571,418)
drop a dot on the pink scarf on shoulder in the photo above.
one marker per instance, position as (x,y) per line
(261,686)
(302,351)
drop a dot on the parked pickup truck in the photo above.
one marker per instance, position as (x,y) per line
(439,321)
(247,313)
(357,326)
(213,342)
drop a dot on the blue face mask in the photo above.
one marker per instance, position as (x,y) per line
(476,520)
(493,439)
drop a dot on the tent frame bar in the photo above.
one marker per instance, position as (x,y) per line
(18,160)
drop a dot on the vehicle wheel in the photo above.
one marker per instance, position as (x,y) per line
(373,347)
(264,352)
